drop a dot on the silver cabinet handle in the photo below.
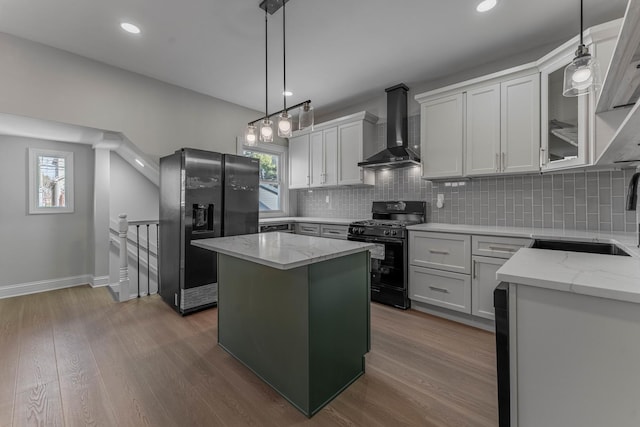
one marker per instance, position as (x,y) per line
(543,157)
(504,161)
(497,162)
(307,179)
(473,269)
(444,291)
(308,229)
(435,251)
(501,248)
(332,232)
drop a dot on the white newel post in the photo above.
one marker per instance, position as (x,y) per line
(123,228)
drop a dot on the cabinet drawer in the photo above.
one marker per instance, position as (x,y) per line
(498,247)
(308,229)
(441,288)
(451,252)
(334,231)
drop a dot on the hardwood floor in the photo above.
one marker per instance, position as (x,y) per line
(74,357)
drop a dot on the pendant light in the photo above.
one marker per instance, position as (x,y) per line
(250,137)
(582,75)
(266,131)
(306,116)
(284,120)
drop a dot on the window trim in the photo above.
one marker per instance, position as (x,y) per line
(280,151)
(34,154)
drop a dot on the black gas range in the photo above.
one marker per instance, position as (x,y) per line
(389,259)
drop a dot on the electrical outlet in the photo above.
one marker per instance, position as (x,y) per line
(326,199)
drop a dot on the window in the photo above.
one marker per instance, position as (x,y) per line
(50,181)
(273,192)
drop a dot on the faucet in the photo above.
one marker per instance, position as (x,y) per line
(632,192)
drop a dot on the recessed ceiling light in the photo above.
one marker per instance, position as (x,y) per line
(130,28)
(138,161)
(486,5)
(287,93)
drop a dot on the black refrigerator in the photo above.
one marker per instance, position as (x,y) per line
(202,194)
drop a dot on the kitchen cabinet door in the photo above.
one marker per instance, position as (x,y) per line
(316,159)
(441,137)
(299,162)
(350,137)
(483,282)
(483,131)
(323,148)
(520,124)
(564,120)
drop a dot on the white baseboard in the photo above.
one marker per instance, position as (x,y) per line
(99,281)
(44,285)
(114,288)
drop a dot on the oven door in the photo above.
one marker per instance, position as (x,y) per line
(388,266)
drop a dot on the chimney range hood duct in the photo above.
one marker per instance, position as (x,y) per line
(397,154)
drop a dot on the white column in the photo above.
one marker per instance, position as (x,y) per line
(101,199)
(123,228)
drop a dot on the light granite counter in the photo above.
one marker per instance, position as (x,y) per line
(604,276)
(628,241)
(283,251)
(311,219)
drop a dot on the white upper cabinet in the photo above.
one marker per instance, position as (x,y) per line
(520,124)
(503,127)
(350,152)
(483,130)
(492,123)
(323,146)
(441,137)
(328,156)
(571,133)
(299,162)
(564,120)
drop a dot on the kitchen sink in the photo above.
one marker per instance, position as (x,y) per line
(571,246)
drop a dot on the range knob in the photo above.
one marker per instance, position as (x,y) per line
(386,232)
(394,232)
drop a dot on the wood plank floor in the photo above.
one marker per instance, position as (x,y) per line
(74,357)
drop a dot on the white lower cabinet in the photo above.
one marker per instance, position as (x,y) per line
(441,288)
(483,282)
(458,271)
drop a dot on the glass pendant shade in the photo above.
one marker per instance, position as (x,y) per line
(266,131)
(582,75)
(305,118)
(284,125)
(250,137)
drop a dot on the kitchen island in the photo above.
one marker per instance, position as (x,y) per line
(295,310)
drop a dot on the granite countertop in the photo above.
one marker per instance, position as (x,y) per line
(282,250)
(604,276)
(320,220)
(628,241)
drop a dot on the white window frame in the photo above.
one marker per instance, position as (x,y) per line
(34,154)
(281,152)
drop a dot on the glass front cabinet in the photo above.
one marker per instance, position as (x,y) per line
(564,120)
(568,125)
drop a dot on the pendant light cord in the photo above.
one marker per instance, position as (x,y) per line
(284,54)
(581,23)
(266,67)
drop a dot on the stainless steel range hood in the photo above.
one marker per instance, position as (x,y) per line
(397,154)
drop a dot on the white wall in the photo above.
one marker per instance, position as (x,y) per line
(48,83)
(377,104)
(131,192)
(44,247)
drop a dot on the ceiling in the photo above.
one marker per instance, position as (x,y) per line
(337,50)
